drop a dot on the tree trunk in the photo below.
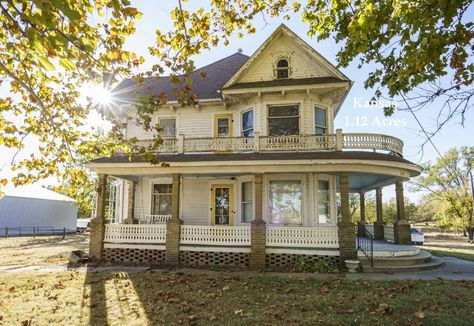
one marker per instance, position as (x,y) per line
(470,234)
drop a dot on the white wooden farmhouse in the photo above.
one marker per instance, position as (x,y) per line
(254,168)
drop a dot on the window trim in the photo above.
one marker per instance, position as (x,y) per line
(278,69)
(285,177)
(315,125)
(175,126)
(159,181)
(283,117)
(218,116)
(242,130)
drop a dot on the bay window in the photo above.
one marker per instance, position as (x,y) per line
(247,123)
(247,202)
(285,202)
(320,121)
(283,120)
(324,215)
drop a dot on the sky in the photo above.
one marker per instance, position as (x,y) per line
(351,118)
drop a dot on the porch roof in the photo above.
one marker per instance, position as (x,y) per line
(209,157)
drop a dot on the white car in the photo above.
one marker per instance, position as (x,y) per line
(83,225)
(417,236)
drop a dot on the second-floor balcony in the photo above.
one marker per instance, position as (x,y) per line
(296,143)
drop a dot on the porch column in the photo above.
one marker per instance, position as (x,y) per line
(258,229)
(361,229)
(173,226)
(96,244)
(378,225)
(131,202)
(346,229)
(401,228)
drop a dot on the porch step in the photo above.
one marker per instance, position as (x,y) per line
(420,258)
(420,262)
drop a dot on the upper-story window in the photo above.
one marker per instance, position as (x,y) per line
(320,121)
(247,123)
(283,120)
(282,69)
(168,126)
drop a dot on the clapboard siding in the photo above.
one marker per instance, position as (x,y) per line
(195,201)
(193,122)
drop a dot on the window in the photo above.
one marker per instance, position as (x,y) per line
(247,202)
(168,126)
(162,197)
(320,121)
(324,215)
(223,125)
(247,123)
(285,202)
(282,69)
(283,120)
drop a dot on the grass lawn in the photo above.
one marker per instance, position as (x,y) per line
(467,254)
(152,298)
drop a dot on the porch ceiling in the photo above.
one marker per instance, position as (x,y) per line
(363,182)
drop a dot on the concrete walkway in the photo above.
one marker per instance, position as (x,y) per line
(454,269)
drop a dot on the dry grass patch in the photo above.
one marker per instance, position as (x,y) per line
(40,251)
(152,298)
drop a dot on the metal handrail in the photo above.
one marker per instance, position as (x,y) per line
(365,243)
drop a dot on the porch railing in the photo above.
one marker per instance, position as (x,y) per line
(302,237)
(154,219)
(335,142)
(215,235)
(135,233)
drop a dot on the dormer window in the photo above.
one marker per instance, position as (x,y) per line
(282,69)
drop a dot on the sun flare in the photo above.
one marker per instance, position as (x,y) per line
(94,94)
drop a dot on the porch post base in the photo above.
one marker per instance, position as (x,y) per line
(378,230)
(347,240)
(96,243)
(258,233)
(173,233)
(402,232)
(361,229)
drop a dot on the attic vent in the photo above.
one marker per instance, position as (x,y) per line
(282,69)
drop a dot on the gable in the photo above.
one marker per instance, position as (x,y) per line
(303,60)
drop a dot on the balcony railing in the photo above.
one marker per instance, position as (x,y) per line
(298,143)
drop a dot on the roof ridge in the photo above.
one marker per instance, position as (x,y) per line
(210,64)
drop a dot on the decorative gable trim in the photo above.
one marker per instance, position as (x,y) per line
(311,52)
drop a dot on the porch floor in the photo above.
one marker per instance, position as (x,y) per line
(384,248)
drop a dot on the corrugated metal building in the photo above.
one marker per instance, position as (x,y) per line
(34,206)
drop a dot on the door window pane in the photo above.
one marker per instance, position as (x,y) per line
(320,121)
(223,127)
(162,197)
(168,127)
(283,120)
(285,202)
(247,123)
(323,202)
(247,202)
(222,206)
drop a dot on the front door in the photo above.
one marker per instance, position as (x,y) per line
(222,204)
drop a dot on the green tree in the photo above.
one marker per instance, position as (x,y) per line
(48,48)
(448,181)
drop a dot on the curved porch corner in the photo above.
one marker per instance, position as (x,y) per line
(185,236)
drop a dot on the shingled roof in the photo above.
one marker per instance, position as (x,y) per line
(216,75)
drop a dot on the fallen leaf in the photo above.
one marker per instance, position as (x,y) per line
(238,312)
(420,314)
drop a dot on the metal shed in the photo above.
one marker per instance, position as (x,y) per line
(27,207)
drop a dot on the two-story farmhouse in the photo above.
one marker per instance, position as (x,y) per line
(253,170)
